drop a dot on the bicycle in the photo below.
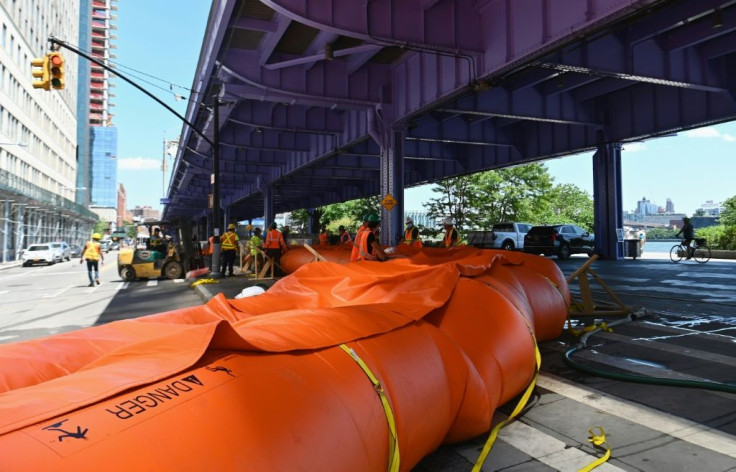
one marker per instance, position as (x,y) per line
(701,251)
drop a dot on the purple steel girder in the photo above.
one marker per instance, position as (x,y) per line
(312,89)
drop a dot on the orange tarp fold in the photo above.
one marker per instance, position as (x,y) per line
(261,384)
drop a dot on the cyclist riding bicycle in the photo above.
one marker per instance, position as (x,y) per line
(688,234)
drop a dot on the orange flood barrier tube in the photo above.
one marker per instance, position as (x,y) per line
(360,367)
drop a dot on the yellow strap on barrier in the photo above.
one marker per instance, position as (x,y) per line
(586,329)
(204,281)
(394,458)
(520,406)
(600,441)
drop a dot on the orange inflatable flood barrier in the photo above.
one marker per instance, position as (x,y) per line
(360,367)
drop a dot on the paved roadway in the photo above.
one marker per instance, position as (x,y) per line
(687,331)
(44,300)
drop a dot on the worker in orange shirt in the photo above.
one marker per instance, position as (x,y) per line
(344,235)
(274,246)
(356,248)
(368,247)
(324,236)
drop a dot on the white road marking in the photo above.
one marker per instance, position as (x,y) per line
(152,283)
(549,450)
(125,285)
(53,295)
(179,281)
(4,291)
(694,433)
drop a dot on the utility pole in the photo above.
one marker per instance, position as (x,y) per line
(215,269)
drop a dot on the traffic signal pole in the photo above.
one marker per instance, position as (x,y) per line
(215,144)
(71,48)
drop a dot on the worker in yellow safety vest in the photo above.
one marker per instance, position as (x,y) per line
(411,234)
(451,235)
(274,245)
(368,247)
(229,248)
(93,255)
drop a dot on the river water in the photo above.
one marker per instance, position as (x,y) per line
(658,246)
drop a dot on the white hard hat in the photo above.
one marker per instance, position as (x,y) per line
(448,221)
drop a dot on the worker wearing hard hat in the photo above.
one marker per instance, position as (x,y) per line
(368,247)
(411,234)
(229,247)
(451,236)
(274,246)
(92,253)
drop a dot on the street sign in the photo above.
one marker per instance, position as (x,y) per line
(388,202)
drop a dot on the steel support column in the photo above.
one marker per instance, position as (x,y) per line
(607,200)
(268,213)
(392,183)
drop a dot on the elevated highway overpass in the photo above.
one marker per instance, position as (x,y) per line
(305,103)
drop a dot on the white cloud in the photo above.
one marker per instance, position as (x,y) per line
(634,147)
(707,132)
(139,163)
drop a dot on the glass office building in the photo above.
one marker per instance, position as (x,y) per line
(104,164)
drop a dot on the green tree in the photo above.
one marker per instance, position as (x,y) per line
(728,217)
(454,198)
(661,233)
(513,194)
(567,203)
(351,212)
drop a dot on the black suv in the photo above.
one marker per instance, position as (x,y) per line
(559,240)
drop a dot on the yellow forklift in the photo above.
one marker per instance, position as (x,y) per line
(172,258)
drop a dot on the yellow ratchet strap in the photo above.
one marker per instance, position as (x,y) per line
(204,281)
(579,332)
(394,459)
(520,406)
(600,441)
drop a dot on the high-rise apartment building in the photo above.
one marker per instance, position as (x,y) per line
(38,131)
(98,140)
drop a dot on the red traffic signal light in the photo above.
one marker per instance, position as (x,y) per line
(40,70)
(56,70)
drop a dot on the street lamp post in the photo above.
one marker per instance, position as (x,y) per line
(216,188)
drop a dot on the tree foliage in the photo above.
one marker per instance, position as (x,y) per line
(350,214)
(728,217)
(661,233)
(523,193)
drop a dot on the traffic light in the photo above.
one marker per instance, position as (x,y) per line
(56,70)
(40,70)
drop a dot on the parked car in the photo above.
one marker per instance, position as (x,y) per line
(75,251)
(63,252)
(115,246)
(105,245)
(39,253)
(559,240)
(508,236)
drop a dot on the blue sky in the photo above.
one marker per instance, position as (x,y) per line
(164,38)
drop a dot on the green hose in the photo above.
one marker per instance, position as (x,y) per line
(706,385)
